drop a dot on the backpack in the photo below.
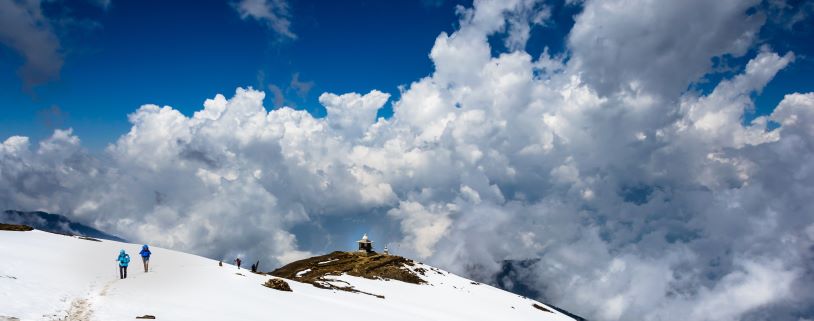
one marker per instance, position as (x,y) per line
(126,259)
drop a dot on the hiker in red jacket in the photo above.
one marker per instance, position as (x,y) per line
(237,261)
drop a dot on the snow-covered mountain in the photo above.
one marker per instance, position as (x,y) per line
(46,276)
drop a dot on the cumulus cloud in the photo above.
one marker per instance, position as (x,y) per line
(658,46)
(637,199)
(273,13)
(352,114)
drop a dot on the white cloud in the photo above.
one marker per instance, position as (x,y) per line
(302,87)
(25,29)
(274,13)
(751,285)
(352,114)
(717,116)
(658,46)
(424,226)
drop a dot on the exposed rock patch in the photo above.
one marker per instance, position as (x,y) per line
(15,227)
(319,270)
(371,266)
(278,284)
(540,307)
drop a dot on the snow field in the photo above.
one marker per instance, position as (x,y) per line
(46,276)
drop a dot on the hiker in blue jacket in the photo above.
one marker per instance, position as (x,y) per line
(124,260)
(145,256)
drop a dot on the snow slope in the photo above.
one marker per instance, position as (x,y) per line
(46,276)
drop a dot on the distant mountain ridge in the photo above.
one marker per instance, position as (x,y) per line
(54,223)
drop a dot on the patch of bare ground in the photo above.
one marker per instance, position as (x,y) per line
(79,311)
(372,266)
(540,307)
(15,227)
(278,284)
(318,270)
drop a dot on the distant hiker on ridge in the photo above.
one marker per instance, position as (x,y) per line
(145,256)
(237,261)
(124,260)
(256,266)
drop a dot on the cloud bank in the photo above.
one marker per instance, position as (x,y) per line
(641,199)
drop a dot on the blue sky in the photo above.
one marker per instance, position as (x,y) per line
(168,53)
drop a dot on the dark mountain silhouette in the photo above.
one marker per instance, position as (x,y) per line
(54,223)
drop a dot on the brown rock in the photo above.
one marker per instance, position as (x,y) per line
(372,266)
(15,227)
(278,284)
(540,307)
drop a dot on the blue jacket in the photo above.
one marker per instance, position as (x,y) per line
(145,251)
(124,258)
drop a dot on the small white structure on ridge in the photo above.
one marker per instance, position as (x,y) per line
(365,245)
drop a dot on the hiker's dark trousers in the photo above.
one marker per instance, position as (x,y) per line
(146,261)
(122,272)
